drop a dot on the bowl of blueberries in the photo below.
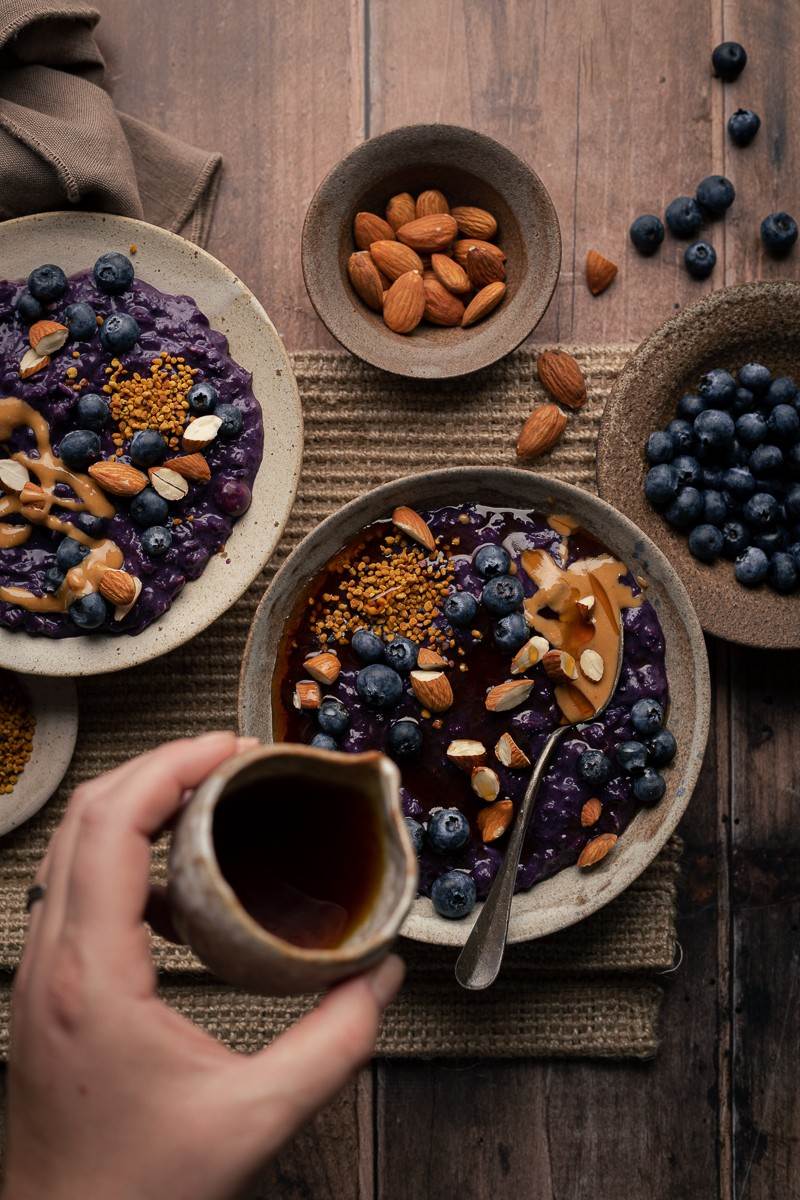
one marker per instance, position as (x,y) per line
(700,446)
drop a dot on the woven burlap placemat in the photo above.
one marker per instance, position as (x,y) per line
(590,990)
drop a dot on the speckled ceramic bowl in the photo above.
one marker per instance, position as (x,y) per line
(570,895)
(469,168)
(54,703)
(170,263)
(755,321)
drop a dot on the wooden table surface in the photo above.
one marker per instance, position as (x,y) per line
(613,103)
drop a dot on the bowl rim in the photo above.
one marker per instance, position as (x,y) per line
(422,925)
(714,620)
(84,655)
(318,297)
(54,705)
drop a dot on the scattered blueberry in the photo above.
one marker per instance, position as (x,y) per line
(735,539)
(404,739)
(647,716)
(684,216)
(454,895)
(706,542)
(156,540)
(232,495)
(148,508)
(751,567)
(113,273)
(47,283)
(401,653)
(81,321)
(659,448)
(69,553)
(782,573)
(324,741)
(728,60)
(416,833)
(647,233)
(690,406)
(715,510)
(232,420)
(661,484)
(743,125)
(649,787)
(460,609)
(91,411)
(333,717)
(594,767)
(751,429)
(686,509)
(502,595)
(89,612)
(29,309)
(687,469)
(511,632)
(367,646)
(53,579)
(755,376)
(682,435)
(714,430)
(718,388)
(700,259)
(119,333)
(448,829)
(378,686)
(491,560)
(783,424)
(202,398)
(715,194)
(661,748)
(632,756)
(766,460)
(79,449)
(148,448)
(778,233)
(89,524)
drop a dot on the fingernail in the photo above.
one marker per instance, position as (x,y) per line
(386,979)
(246,743)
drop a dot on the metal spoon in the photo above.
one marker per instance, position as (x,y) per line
(479,962)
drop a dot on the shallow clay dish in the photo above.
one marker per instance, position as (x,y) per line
(55,706)
(470,169)
(570,895)
(755,321)
(169,262)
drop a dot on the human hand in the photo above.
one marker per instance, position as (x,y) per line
(111,1093)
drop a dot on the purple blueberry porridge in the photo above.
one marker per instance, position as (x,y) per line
(129,443)
(455,640)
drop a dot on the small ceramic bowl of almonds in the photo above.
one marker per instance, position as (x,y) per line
(431,251)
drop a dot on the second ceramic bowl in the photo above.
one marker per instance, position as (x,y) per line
(469,168)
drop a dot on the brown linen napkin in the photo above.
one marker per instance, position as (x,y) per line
(62,142)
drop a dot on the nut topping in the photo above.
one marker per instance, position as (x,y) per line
(560,666)
(485,784)
(585,606)
(597,849)
(32,494)
(413,526)
(431,660)
(47,336)
(190,466)
(307,694)
(510,755)
(324,667)
(201,432)
(590,813)
(118,586)
(168,483)
(495,820)
(121,610)
(31,362)
(120,479)
(529,655)
(13,475)
(466,754)
(592,665)
(432,689)
(510,694)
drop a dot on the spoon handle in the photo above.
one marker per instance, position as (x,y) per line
(479,962)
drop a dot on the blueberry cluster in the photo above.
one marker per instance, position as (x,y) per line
(640,757)
(501,596)
(726,471)
(453,894)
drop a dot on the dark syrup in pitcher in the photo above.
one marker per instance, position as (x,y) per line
(304,860)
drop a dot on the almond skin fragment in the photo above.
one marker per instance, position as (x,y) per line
(484,267)
(541,431)
(495,820)
(394,259)
(596,850)
(600,272)
(431,202)
(441,306)
(560,375)
(485,784)
(466,754)
(412,525)
(404,303)
(369,228)
(474,222)
(428,234)
(510,755)
(366,279)
(590,813)
(323,667)
(450,274)
(483,302)
(400,210)
(504,696)
(432,689)
(307,694)
(119,479)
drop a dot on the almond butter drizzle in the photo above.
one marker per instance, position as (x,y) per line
(560,589)
(103,553)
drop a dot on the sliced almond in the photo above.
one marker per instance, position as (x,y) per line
(121,610)
(31,362)
(168,483)
(32,495)
(431,660)
(592,665)
(585,607)
(508,695)
(190,466)
(597,849)
(485,784)
(590,813)
(495,820)
(117,586)
(307,694)
(13,475)
(466,754)
(119,479)
(510,755)
(323,667)
(432,689)
(560,666)
(413,526)
(529,655)
(47,336)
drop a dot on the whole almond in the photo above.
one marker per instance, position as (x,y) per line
(441,306)
(432,689)
(561,376)
(483,302)
(484,267)
(427,234)
(369,228)
(450,274)
(413,526)
(597,849)
(394,259)
(431,202)
(590,813)
(404,303)
(495,819)
(600,272)
(190,466)
(121,610)
(119,479)
(117,586)
(462,247)
(541,431)
(366,279)
(474,222)
(400,210)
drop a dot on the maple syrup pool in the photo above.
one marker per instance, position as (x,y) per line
(555,836)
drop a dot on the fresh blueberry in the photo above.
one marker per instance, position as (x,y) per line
(792,502)
(454,895)
(705,543)
(743,401)
(647,716)
(202,398)
(448,829)
(783,424)
(715,194)
(632,756)
(148,447)
(690,406)
(792,460)
(714,430)
(113,273)
(661,484)
(647,233)
(511,632)
(682,436)
(232,420)
(782,390)
(404,739)
(401,653)
(89,524)
(69,553)
(743,125)
(751,429)
(47,283)
(367,646)
(756,377)
(739,482)
(687,470)
(794,550)
(771,542)
(715,510)
(735,539)
(29,309)
(700,259)
(324,741)
(416,833)
(332,717)
(751,567)
(148,508)
(761,512)
(718,388)
(119,333)
(79,449)
(728,60)
(156,540)
(502,595)
(686,509)
(89,612)
(766,460)
(684,216)
(649,787)
(232,495)
(661,748)
(91,411)
(594,767)
(659,448)
(491,560)
(81,321)
(713,477)
(460,609)
(53,579)
(778,233)
(738,455)
(782,573)
(379,686)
